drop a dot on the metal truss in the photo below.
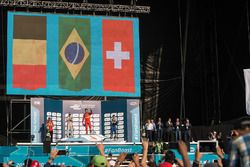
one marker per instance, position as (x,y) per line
(76,6)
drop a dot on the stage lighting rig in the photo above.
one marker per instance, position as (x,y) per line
(70,5)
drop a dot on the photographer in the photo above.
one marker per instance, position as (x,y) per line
(217,163)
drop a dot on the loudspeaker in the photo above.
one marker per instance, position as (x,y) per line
(46,145)
(173,145)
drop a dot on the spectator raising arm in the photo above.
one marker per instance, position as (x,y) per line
(100,147)
(53,155)
(145,152)
(198,156)
(120,159)
(183,151)
(135,162)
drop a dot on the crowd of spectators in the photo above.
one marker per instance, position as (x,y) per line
(168,159)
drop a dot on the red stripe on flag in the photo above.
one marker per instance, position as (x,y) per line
(118,79)
(29,77)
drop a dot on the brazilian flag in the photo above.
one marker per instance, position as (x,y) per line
(74,53)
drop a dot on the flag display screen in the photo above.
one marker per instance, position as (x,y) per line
(52,54)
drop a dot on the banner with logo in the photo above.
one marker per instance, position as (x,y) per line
(37,119)
(53,54)
(76,155)
(133,123)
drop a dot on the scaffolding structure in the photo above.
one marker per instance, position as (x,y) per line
(18,127)
(85,6)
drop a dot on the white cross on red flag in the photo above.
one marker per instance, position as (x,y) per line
(118,56)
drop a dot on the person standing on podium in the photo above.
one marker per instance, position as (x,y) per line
(113,127)
(86,120)
(50,126)
(70,128)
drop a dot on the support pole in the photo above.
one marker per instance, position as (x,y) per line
(183,49)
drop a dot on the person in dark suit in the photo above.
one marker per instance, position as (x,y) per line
(113,126)
(177,129)
(159,128)
(187,130)
(169,130)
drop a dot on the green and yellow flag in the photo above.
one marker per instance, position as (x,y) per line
(74,53)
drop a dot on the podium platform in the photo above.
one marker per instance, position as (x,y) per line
(84,138)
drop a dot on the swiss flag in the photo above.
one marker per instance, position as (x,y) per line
(118,56)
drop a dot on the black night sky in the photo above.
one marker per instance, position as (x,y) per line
(217,52)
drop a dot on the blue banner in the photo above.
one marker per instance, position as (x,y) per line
(79,155)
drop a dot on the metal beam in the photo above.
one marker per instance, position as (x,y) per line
(76,6)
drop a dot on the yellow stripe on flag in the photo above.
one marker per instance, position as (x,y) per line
(29,52)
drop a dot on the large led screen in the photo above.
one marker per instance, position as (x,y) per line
(72,55)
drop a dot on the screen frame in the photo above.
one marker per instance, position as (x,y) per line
(199,142)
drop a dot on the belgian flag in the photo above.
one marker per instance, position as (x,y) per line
(74,53)
(29,52)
